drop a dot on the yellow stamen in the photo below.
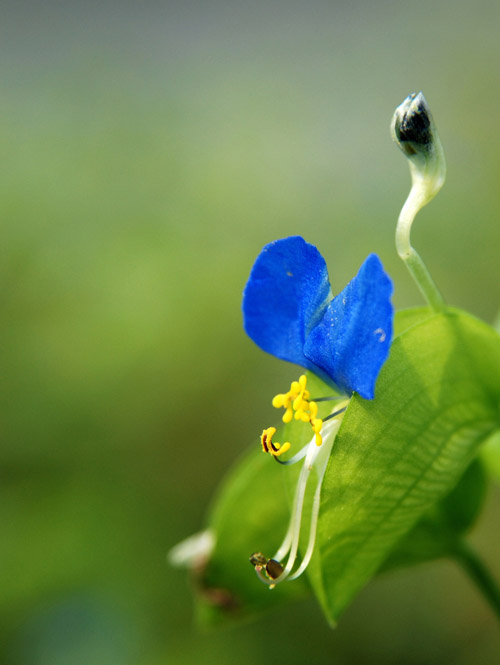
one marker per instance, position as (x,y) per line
(273,447)
(317,424)
(298,406)
(313,410)
(266,438)
(281,448)
(302,415)
(279,401)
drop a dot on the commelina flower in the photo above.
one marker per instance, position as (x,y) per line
(289,311)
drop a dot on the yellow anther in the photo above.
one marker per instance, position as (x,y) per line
(298,402)
(313,410)
(302,415)
(266,438)
(281,448)
(279,401)
(297,406)
(273,448)
(317,424)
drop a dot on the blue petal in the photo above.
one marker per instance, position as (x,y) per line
(353,339)
(286,295)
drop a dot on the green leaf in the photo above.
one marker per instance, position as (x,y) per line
(250,514)
(440,531)
(437,399)
(394,461)
(407,318)
(490,454)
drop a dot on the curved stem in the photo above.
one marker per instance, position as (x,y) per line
(416,200)
(479,574)
(425,283)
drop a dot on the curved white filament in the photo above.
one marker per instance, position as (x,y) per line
(314,514)
(316,457)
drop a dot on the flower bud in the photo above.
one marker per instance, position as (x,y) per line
(413,130)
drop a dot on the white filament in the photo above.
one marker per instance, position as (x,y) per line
(316,457)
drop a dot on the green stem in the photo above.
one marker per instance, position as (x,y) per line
(479,574)
(418,270)
(425,283)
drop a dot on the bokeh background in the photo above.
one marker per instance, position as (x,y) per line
(148,152)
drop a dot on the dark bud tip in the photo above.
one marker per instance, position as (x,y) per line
(412,125)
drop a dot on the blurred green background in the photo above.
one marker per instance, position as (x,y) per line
(149,151)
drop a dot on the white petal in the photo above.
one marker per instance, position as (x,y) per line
(193,552)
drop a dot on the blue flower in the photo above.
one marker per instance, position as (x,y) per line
(289,311)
